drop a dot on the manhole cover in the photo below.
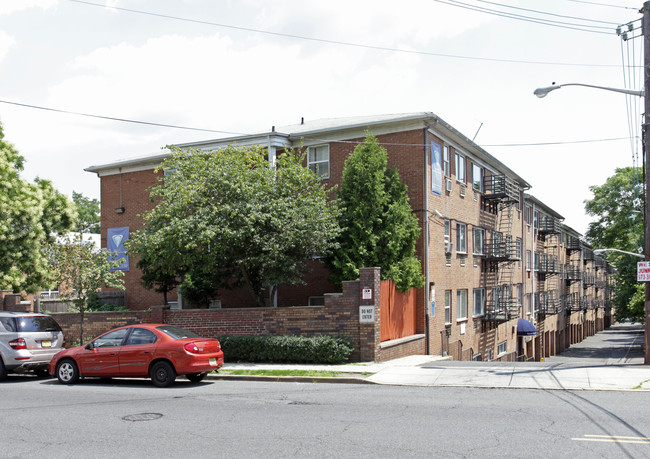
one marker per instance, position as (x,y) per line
(142,417)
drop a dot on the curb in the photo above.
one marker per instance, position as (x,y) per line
(301,379)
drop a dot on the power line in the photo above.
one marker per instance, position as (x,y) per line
(604,4)
(560,24)
(341,43)
(546,13)
(110,118)
(172,126)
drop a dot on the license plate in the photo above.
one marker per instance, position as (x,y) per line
(46,343)
(213,361)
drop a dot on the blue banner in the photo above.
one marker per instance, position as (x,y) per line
(115,243)
(436,169)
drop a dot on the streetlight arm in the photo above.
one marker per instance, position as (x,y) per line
(542,92)
(599,251)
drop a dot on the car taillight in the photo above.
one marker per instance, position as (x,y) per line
(18,343)
(191,347)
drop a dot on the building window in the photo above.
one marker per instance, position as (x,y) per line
(477,177)
(445,160)
(479,302)
(536,266)
(461,238)
(461,305)
(502,348)
(318,160)
(536,221)
(518,290)
(479,241)
(518,249)
(460,168)
(447,307)
(528,215)
(527,307)
(316,301)
(528,258)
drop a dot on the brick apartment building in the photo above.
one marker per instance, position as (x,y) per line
(505,278)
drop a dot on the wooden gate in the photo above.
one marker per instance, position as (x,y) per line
(397,312)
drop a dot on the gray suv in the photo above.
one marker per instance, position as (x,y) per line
(28,342)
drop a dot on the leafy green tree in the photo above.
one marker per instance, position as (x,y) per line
(81,269)
(88,213)
(225,219)
(378,225)
(618,205)
(30,214)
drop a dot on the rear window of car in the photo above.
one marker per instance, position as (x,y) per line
(9,324)
(37,324)
(177,332)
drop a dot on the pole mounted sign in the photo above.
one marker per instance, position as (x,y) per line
(643,271)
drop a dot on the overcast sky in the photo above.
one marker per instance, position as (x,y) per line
(242,66)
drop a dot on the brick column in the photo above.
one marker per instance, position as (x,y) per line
(369,333)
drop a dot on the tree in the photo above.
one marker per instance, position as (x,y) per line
(30,214)
(81,270)
(378,225)
(225,219)
(618,205)
(88,213)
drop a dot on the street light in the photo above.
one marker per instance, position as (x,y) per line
(599,251)
(542,92)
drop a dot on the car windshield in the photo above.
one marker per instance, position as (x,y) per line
(37,324)
(177,332)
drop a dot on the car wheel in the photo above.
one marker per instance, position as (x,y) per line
(3,371)
(162,374)
(196,377)
(67,372)
(42,373)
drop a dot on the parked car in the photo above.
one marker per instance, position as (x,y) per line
(157,351)
(28,342)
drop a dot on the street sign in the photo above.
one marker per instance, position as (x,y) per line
(366,314)
(643,271)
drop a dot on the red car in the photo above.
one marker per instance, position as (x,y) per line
(157,351)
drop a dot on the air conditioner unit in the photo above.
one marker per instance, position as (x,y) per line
(449,247)
(448,185)
(462,188)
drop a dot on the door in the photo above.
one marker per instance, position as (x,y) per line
(100,357)
(137,352)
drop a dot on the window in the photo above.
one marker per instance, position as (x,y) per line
(479,241)
(111,339)
(460,168)
(477,177)
(518,249)
(445,160)
(318,160)
(528,258)
(461,238)
(528,215)
(141,336)
(518,292)
(447,230)
(502,348)
(461,305)
(447,306)
(479,302)
(536,266)
(527,306)
(536,220)
(316,301)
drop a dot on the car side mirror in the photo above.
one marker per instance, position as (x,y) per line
(90,345)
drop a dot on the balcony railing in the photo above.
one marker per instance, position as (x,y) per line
(549,225)
(501,251)
(501,188)
(501,310)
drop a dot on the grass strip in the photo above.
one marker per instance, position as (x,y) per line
(307,373)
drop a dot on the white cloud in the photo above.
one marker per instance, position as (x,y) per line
(6,42)
(9,7)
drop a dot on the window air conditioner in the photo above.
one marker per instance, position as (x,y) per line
(449,247)
(462,187)
(448,185)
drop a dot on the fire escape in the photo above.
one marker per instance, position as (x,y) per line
(573,300)
(548,271)
(501,251)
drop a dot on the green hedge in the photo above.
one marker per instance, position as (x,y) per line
(286,349)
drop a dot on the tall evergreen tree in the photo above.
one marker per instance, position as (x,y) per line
(377,222)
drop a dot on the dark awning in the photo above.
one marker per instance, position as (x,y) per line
(525,328)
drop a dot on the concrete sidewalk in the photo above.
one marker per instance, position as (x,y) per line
(609,360)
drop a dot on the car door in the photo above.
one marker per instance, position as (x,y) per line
(100,357)
(137,352)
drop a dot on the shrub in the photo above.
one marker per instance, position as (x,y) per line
(286,349)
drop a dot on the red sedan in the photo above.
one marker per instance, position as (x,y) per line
(157,351)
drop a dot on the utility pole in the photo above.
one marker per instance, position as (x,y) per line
(646,165)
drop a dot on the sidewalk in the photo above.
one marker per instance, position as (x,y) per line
(609,360)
